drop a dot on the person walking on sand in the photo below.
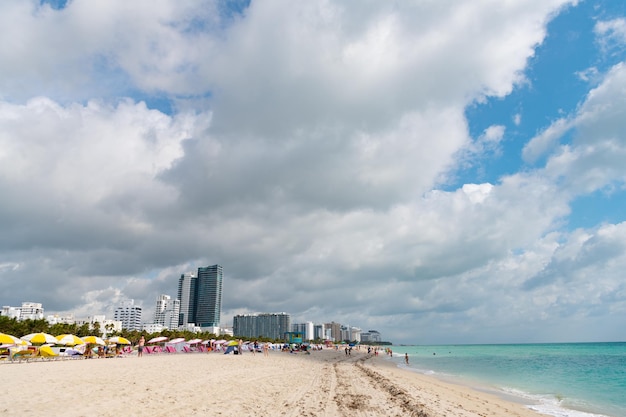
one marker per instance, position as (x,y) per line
(406,358)
(142,342)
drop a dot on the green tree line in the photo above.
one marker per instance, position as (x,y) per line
(19,328)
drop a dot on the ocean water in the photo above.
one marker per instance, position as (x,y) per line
(561,379)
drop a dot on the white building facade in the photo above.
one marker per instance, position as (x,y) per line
(167,311)
(130,316)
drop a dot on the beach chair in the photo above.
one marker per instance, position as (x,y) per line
(148,350)
(170,349)
(23,355)
(187,349)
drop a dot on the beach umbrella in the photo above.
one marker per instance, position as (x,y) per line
(69,340)
(157,339)
(47,352)
(233,343)
(40,338)
(177,340)
(119,340)
(95,340)
(194,341)
(7,339)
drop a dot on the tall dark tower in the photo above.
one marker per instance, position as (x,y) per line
(208,296)
(187,297)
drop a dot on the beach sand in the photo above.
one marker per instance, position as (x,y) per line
(324,383)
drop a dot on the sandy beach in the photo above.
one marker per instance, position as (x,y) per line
(324,383)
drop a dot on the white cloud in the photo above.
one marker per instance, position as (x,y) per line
(546,140)
(611,34)
(313,178)
(593,159)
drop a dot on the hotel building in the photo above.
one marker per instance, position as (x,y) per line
(269,325)
(187,297)
(201,298)
(130,315)
(167,311)
(209,296)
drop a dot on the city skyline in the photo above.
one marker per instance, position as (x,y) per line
(128,316)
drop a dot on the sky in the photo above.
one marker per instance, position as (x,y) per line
(442,172)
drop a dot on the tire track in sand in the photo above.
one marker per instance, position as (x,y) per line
(409,405)
(344,387)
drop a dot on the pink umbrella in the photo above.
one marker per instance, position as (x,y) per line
(194,341)
(177,340)
(157,339)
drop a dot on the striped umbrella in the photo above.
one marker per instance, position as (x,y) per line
(69,340)
(40,338)
(7,339)
(94,340)
(118,340)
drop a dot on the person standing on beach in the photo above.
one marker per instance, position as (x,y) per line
(406,358)
(142,342)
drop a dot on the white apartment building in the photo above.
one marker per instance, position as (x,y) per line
(153,327)
(32,311)
(56,319)
(130,315)
(167,312)
(11,312)
(28,311)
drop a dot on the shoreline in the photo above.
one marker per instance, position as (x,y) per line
(324,383)
(545,403)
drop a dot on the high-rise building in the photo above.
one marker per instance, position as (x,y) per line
(270,325)
(129,314)
(318,332)
(167,311)
(187,297)
(335,331)
(371,336)
(208,300)
(305,328)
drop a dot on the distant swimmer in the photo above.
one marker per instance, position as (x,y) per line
(406,358)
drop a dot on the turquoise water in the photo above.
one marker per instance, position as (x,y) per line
(562,379)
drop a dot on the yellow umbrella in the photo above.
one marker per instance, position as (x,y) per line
(94,340)
(47,352)
(40,338)
(7,339)
(119,340)
(69,340)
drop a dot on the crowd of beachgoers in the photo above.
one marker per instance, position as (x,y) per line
(43,346)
